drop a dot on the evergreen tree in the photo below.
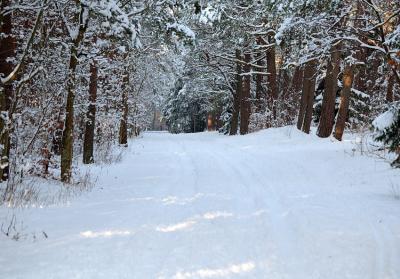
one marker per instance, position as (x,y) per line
(387,129)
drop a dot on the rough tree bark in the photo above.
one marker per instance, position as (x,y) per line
(88,143)
(260,96)
(327,118)
(123,127)
(7,51)
(68,132)
(237,96)
(272,85)
(390,87)
(307,97)
(245,98)
(348,78)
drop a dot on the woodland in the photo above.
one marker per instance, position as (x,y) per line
(79,76)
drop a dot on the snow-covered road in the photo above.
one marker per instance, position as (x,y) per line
(275,204)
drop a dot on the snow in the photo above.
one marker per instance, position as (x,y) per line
(209,15)
(385,120)
(274,204)
(182,28)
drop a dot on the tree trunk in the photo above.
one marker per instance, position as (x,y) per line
(297,81)
(348,77)
(7,51)
(245,100)
(307,98)
(260,96)
(396,163)
(272,86)
(123,127)
(329,97)
(88,143)
(390,87)
(303,105)
(361,76)
(237,96)
(68,132)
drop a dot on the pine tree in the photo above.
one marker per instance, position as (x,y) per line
(387,129)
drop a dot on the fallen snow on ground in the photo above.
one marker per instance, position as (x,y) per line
(276,204)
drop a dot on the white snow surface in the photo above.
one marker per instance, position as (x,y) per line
(385,120)
(274,204)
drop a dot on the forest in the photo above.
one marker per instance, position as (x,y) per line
(78,76)
(88,84)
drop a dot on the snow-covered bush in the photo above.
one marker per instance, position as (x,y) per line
(387,130)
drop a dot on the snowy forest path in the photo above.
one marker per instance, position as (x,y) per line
(275,204)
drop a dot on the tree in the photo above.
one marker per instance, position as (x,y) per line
(348,77)
(88,144)
(82,14)
(245,108)
(327,118)
(387,130)
(7,52)
(307,97)
(237,96)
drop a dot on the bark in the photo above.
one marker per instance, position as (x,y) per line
(7,50)
(303,106)
(297,81)
(245,98)
(260,96)
(68,132)
(329,96)
(348,77)
(210,121)
(361,76)
(307,98)
(237,96)
(123,127)
(88,144)
(284,82)
(272,86)
(389,90)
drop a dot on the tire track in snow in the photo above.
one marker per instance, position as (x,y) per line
(385,252)
(265,196)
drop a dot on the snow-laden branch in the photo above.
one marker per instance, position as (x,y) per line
(21,62)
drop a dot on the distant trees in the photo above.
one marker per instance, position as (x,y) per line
(282,62)
(350,48)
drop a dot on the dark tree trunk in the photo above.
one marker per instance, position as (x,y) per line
(297,81)
(348,77)
(272,86)
(245,100)
(123,127)
(260,96)
(329,96)
(237,96)
(307,98)
(390,87)
(295,88)
(88,144)
(68,132)
(303,105)
(361,77)
(7,51)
